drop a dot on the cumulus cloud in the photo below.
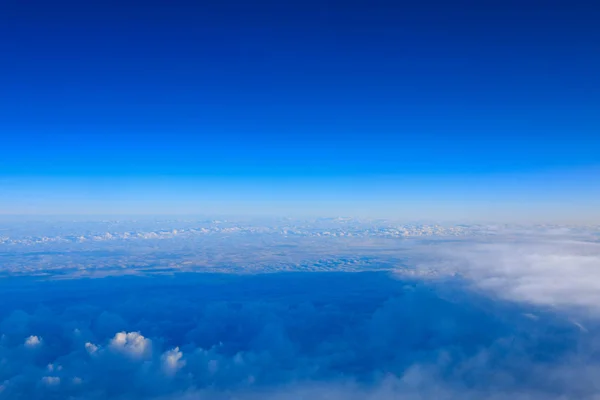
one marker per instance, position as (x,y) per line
(91,348)
(172,361)
(33,341)
(133,344)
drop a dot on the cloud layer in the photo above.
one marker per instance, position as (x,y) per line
(552,272)
(287,336)
(464,312)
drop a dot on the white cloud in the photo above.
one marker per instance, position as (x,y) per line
(557,273)
(33,341)
(91,348)
(172,361)
(133,344)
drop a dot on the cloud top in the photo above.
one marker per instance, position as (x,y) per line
(33,342)
(132,344)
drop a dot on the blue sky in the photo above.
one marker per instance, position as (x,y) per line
(408,109)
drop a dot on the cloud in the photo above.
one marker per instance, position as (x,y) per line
(51,367)
(91,348)
(133,344)
(51,380)
(172,361)
(502,319)
(556,273)
(33,341)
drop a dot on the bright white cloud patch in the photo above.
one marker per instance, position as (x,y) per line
(172,361)
(558,273)
(133,344)
(33,341)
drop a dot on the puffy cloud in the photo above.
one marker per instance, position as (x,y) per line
(91,348)
(33,341)
(133,344)
(172,361)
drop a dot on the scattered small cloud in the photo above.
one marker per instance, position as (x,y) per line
(33,342)
(91,348)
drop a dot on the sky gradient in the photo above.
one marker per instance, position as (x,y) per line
(444,110)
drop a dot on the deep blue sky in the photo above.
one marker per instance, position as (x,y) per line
(298,94)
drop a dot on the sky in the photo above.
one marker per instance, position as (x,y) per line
(430,109)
